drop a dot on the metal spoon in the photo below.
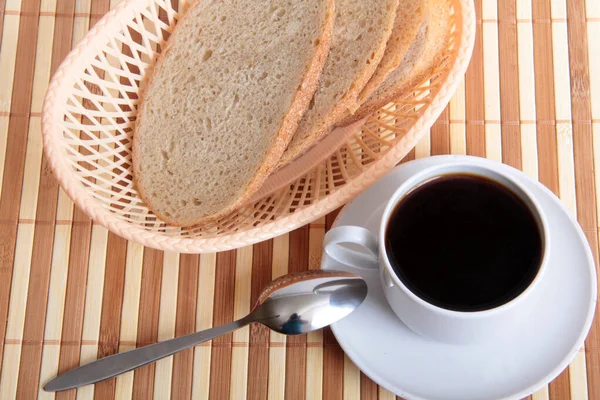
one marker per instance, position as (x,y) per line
(293,304)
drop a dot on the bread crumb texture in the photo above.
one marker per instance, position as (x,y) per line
(218,100)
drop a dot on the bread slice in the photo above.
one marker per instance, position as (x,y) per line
(361,31)
(423,57)
(223,102)
(409,18)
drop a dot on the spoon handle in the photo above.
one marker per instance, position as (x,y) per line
(117,364)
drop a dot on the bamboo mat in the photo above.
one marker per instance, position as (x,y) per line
(71,292)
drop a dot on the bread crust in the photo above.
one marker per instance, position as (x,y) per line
(378,100)
(409,18)
(348,102)
(428,59)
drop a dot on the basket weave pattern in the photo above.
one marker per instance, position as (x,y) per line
(90,111)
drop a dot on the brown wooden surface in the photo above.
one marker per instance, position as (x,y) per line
(71,292)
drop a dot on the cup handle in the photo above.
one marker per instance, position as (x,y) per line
(352,234)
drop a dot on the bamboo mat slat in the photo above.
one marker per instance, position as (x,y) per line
(204,313)
(238,382)
(277,349)
(71,292)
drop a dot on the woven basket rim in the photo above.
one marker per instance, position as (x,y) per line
(54,146)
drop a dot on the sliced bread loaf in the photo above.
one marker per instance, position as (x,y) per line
(223,102)
(422,58)
(361,31)
(409,18)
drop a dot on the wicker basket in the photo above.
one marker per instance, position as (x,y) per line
(90,110)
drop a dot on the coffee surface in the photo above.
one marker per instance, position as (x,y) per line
(464,243)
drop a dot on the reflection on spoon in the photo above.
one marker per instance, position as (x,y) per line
(293,325)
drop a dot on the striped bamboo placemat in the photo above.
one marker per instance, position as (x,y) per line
(71,292)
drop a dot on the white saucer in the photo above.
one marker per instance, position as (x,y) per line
(525,359)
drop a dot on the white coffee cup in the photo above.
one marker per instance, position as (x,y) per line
(422,317)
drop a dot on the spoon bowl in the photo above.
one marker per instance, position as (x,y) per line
(313,304)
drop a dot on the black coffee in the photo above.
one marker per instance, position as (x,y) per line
(464,243)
